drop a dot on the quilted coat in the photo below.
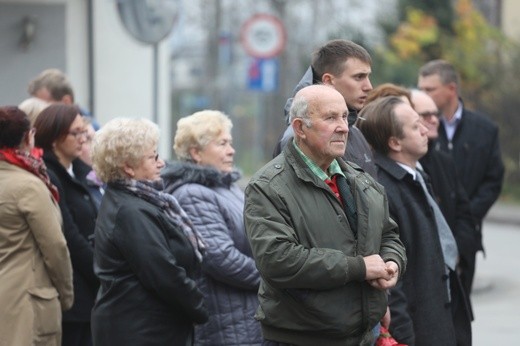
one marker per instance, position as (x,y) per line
(230,282)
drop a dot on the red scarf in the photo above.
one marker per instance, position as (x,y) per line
(31,162)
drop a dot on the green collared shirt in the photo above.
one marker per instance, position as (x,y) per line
(334,167)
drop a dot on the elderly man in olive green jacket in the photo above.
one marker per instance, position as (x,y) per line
(321,234)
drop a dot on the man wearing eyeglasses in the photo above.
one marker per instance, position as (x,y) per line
(471,139)
(448,192)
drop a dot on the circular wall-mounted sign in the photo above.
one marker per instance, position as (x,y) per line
(263,36)
(149,21)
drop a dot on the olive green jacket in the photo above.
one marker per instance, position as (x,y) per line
(313,288)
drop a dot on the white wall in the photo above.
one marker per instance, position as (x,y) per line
(510,23)
(123,67)
(124,73)
(76,44)
(77,49)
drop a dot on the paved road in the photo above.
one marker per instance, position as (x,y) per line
(496,296)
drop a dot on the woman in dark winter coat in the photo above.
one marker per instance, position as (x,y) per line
(204,183)
(147,253)
(60,132)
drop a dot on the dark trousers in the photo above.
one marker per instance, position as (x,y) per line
(461,311)
(467,274)
(76,334)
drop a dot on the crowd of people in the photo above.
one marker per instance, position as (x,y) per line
(365,225)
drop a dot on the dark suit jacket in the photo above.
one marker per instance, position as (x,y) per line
(476,151)
(419,304)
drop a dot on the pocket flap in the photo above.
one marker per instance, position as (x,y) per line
(46,293)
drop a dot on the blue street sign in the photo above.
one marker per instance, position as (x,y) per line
(263,74)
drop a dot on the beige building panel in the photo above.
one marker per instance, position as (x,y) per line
(510,18)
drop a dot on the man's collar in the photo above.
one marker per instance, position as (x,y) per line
(456,117)
(334,167)
(407,168)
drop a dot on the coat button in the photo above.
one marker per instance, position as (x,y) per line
(277,166)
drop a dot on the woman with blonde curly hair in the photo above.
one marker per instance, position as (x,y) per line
(147,253)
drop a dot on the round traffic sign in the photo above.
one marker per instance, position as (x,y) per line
(263,36)
(148,21)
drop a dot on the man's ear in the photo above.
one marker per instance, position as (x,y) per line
(297,125)
(394,144)
(453,87)
(327,79)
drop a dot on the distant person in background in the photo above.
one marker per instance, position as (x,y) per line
(204,181)
(35,268)
(147,253)
(60,132)
(52,85)
(471,138)
(33,106)
(389,89)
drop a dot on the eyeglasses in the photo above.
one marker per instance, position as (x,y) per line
(78,134)
(429,114)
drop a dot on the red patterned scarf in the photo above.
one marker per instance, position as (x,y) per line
(31,162)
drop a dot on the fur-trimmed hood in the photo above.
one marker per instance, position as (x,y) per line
(178,173)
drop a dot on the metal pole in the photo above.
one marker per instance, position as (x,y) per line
(155,115)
